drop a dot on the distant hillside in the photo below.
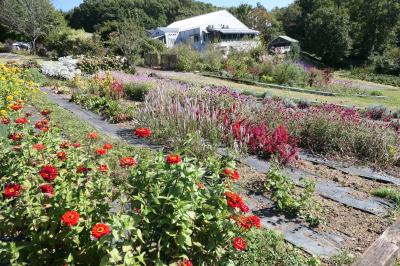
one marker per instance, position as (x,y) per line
(148,13)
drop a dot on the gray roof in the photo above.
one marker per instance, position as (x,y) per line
(233,31)
(287,38)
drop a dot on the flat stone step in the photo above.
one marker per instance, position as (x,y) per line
(325,244)
(361,171)
(326,188)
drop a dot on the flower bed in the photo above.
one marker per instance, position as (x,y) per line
(271,128)
(85,202)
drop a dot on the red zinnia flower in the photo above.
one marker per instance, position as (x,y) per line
(107,146)
(64,145)
(185,262)
(239,243)
(48,173)
(101,151)
(173,159)
(76,145)
(16,107)
(127,161)
(47,189)
(16,136)
(92,135)
(45,112)
(21,120)
(143,132)
(42,124)
(12,191)
(5,120)
(81,169)
(235,201)
(39,147)
(70,218)
(200,185)
(100,230)
(254,221)
(232,174)
(62,155)
(103,168)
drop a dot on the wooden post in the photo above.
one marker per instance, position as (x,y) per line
(385,250)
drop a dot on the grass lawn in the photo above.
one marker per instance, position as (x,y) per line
(22,56)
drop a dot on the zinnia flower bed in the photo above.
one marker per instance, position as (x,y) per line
(65,202)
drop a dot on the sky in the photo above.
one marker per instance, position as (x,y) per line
(269,4)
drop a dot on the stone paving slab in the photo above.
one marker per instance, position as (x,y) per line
(321,244)
(360,171)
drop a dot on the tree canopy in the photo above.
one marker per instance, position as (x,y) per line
(31,18)
(340,30)
(91,14)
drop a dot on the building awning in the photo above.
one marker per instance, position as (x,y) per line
(237,31)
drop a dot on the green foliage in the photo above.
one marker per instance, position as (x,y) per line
(33,19)
(137,91)
(387,63)
(288,74)
(343,258)
(287,198)
(267,247)
(153,13)
(388,193)
(93,64)
(342,31)
(327,33)
(115,111)
(130,41)
(35,75)
(66,41)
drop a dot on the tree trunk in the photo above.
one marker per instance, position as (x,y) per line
(34,46)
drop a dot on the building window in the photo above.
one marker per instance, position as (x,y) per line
(196,38)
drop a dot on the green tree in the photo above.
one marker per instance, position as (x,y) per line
(31,18)
(373,22)
(327,33)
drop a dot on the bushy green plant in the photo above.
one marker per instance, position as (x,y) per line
(187,57)
(270,248)
(288,199)
(113,110)
(388,62)
(93,64)
(288,74)
(137,91)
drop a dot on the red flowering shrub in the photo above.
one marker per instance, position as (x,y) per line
(5,120)
(16,136)
(235,201)
(100,230)
(48,173)
(76,145)
(70,218)
(42,124)
(64,145)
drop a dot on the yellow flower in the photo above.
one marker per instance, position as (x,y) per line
(10,98)
(3,112)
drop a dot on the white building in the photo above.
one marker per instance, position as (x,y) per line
(220,28)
